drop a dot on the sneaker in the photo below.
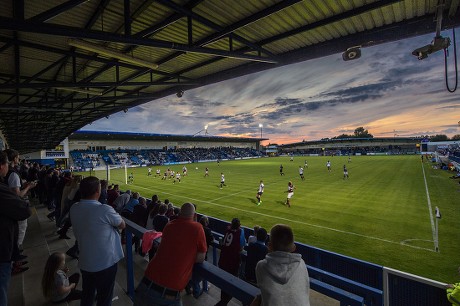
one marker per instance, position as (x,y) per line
(258,203)
(18,270)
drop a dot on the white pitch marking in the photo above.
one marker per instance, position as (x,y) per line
(433,229)
(293,221)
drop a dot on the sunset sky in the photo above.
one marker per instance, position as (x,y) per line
(387,91)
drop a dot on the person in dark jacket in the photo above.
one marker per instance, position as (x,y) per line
(256,251)
(12,210)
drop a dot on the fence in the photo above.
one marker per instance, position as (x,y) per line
(348,280)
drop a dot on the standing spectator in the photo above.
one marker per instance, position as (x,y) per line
(155,200)
(15,183)
(160,220)
(282,276)
(112,194)
(139,216)
(63,181)
(253,238)
(12,209)
(183,244)
(129,207)
(95,227)
(103,196)
(121,201)
(230,254)
(140,213)
(207,232)
(256,251)
(194,284)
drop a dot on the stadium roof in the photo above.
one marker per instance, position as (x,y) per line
(67,63)
(100,135)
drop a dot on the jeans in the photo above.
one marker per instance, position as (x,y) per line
(147,297)
(103,282)
(5,276)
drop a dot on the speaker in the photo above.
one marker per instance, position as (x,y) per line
(351,54)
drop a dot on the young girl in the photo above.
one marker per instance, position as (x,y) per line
(55,283)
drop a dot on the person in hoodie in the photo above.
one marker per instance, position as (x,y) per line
(282,276)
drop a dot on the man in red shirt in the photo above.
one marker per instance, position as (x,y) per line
(182,245)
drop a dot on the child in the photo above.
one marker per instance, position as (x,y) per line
(55,283)
(282,276)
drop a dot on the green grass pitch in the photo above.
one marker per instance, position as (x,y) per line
(380,214)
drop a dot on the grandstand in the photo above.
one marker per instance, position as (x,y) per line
(355,146)
(91,149)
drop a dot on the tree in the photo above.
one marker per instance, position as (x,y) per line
(343,136)
(362,133)
(439,137)
(455,137)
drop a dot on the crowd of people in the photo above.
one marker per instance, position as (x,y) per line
(88,159)
(94,209)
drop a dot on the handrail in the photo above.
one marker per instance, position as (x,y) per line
(233,285)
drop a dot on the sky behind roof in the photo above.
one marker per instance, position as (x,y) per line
(388,91)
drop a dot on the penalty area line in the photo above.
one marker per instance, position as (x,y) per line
(289,220)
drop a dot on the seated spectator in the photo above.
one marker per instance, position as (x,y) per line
(282,276)
(253,238)
(121,201)
(55,283)
(160,220)
(230,258)
(256,251)
(182,245)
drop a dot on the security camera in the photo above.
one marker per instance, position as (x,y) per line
(180,93)
(438,43)
(352,53)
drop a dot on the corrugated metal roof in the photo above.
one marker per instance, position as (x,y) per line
(196,42)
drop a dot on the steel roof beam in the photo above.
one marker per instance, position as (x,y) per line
(57,10)
(51,29)
(55,84)
(209,23)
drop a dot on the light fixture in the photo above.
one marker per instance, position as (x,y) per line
(81,90)
(261,126)
(180,93)
(206,129)
(110,53)
(352,53)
